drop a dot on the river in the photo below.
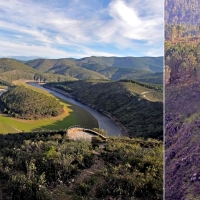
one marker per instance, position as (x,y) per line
(104,122)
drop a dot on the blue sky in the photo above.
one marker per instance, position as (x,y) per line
(81,28)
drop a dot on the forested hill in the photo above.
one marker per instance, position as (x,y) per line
(153,64)
(182,11)
(137,106)
(11,70)
(114,68)
(22,102)
(146,69)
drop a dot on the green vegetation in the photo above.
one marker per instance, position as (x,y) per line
(153,64)
(147,69)
(72,115)
(157,87)
(181,60)
(113,68)
(43,164)
(155,78)
(47,165)
(64,67)
(11,70)
(137,106)
(4,83)
(180,31)
(25,103)
(182,122)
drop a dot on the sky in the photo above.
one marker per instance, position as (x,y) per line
(81,28)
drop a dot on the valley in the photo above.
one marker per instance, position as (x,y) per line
(107,95)
(121,101)
(72,115)
(103,122)
(38,158)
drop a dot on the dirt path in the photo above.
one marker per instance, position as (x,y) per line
(97,166)
(60,191)
(143,93)
(16,129)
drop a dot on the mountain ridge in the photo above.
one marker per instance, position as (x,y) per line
(114,68)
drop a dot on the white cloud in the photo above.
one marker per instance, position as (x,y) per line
(132,24)
(122,24)
(120,11)
(18,49)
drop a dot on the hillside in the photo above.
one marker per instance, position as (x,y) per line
(11,70)
(49,166)
(182,120)
(182,63)
(5,83)
(153,64)
(114,68)
(182,11)
(64,67)
(22,102)
(181,142)
(136,106)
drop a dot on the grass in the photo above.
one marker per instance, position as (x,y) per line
(150,94)
(73,115)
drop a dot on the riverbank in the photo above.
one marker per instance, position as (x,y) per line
(104,121)
(114,119)
(73,115)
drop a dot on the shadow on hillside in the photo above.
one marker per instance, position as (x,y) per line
(77,116)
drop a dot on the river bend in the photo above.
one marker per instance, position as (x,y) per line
(104,122)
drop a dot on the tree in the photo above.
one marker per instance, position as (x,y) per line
(179,31)
(173,33)
(167,74)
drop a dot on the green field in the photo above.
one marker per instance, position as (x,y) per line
(73,115)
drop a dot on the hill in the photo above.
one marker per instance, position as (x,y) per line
(153,64)
(22,102)
(47,165)
(5,84)
(136,106)
(64,67)
(114,68)
(11,70)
